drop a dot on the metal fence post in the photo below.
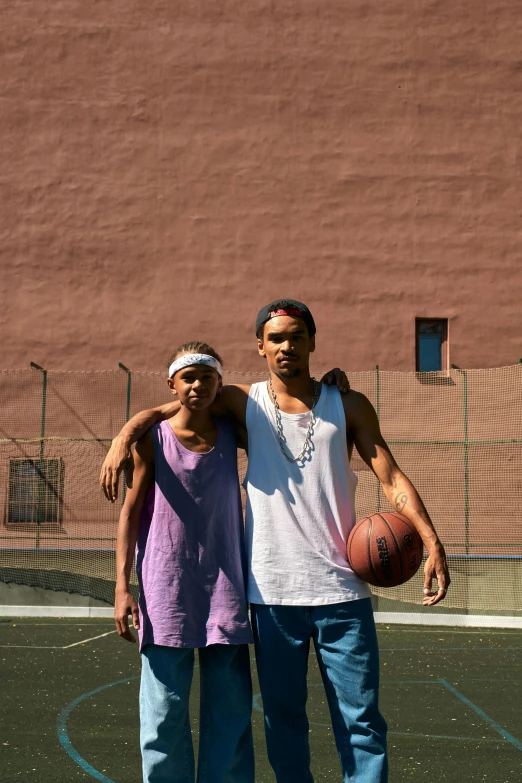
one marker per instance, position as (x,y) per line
(127,414)
(466,460)
(465,443)
(42,432)
(378,411)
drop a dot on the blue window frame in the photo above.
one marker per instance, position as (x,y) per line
(431,343)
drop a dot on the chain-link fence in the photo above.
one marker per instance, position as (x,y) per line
(457,435)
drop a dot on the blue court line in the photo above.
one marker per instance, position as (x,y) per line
(459,679)
(63,737)
(257,706)
(409,682)
(498,728)
(488,679)
(443,736)
(434,649)
(61,729)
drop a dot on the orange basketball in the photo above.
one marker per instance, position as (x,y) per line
(385,549)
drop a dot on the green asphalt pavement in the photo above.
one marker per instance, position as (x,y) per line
(452,698)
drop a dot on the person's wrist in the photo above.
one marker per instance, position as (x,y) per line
(436,548)
(122,587)
(122,440)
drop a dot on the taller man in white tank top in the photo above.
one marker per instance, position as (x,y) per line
(300,510)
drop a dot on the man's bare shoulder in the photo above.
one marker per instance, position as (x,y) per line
(357,408)
(232,401)
(234,393)
(238,388)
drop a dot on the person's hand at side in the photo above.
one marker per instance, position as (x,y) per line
(125,605)
(436,568)
(128,530)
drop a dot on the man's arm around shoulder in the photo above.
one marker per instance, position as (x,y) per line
(119,457)
(231,402)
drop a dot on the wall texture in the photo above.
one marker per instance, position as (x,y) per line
(168,168)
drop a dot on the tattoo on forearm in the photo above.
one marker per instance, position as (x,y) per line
(400,501)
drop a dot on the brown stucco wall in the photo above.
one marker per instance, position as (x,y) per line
(170,167)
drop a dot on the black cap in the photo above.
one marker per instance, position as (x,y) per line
(289,307)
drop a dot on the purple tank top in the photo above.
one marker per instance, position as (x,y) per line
(190,551)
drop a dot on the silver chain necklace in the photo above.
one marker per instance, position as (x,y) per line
(279,422)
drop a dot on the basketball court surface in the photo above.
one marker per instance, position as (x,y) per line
(452,698)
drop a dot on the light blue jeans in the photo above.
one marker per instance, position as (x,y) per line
(226,753)
(347,653)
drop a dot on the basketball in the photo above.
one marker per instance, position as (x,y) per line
(385,549)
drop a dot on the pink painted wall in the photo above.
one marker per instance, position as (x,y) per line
(168,168)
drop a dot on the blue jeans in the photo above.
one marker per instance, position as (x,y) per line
(226,752)
(347,653)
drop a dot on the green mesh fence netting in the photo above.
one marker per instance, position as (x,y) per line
(457,435)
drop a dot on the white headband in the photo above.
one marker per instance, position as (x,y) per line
(188,359)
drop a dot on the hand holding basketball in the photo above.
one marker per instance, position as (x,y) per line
(385,549)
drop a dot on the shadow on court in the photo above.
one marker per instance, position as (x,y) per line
(452,698)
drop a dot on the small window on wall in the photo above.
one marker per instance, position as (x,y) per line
(35,491)
(432,344)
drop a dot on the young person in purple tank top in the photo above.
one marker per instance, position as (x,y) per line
(183,517)
(300,511)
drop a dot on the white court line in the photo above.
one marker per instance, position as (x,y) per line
(84,641)
(29,647)
(55,625)
(65,647)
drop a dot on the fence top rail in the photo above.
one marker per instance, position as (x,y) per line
(454,371)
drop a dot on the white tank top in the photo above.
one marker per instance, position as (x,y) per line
(299,514)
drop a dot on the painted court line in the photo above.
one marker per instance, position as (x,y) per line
(448,631)
(51,647)
(509,680)
(61,724)
(57,625)
(436,682)
(494,725)
(422,648)
(28,647)
(258,707)
(84,641)
(444,737)
(65,742)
